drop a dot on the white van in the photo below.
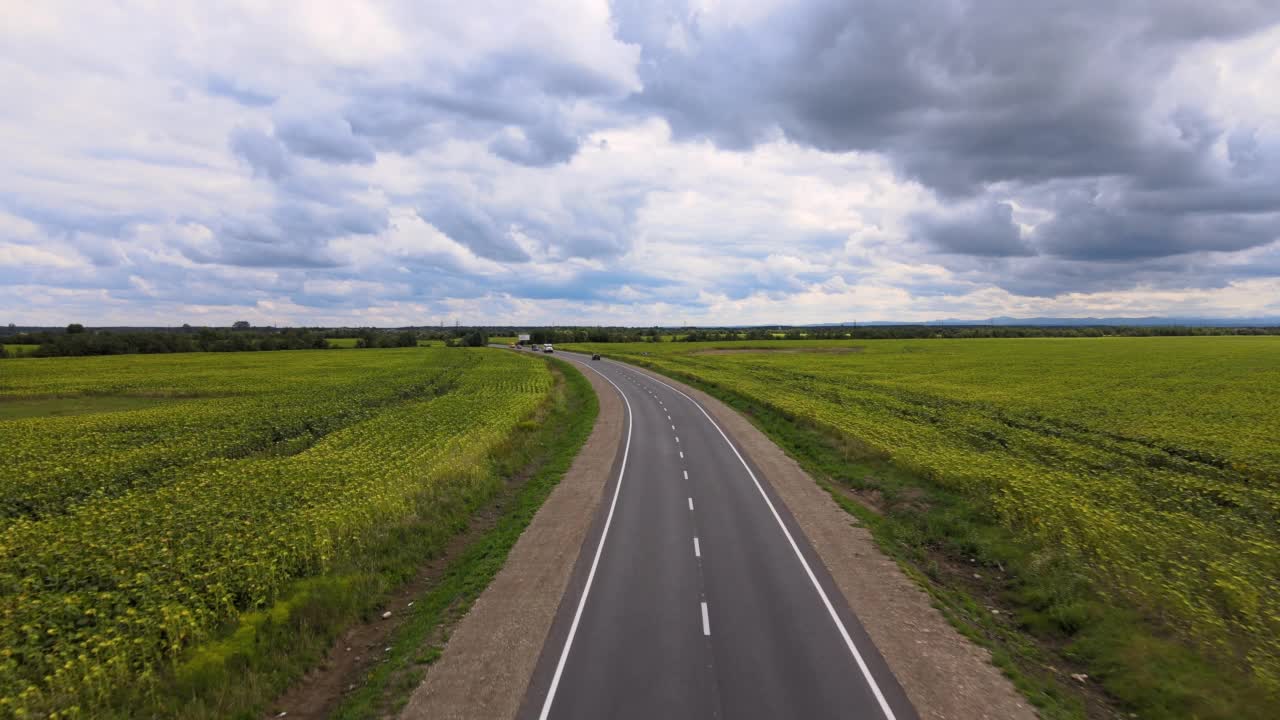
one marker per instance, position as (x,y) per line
(548,348)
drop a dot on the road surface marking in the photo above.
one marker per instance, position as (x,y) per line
(673,427)
(668,417)
(697,549)
(686,473)
(831,610)
(681,454)
(706,621)
(677,438)
(591,576)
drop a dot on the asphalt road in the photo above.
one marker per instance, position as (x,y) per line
(696,595)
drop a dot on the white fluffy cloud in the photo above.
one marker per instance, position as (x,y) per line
(637,163)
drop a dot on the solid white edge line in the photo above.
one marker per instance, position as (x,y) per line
(706,621)
(577,615)
(697,549)
(831,610)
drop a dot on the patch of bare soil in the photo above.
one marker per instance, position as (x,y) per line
(780,351)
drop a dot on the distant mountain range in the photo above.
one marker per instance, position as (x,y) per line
(1086,321)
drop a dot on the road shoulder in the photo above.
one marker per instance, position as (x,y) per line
(491,654)
(945,675)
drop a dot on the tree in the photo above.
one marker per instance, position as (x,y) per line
(240,325)
(74,328)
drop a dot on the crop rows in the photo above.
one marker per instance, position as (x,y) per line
(1151,463)
(114,583)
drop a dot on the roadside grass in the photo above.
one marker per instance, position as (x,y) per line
(15,408)
(1042,621)
(258,657)
(546,451)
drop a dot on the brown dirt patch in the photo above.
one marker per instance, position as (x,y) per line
(780,351)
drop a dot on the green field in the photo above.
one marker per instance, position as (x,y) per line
(150,505)
(341,342)
(1129,488)
(21,350)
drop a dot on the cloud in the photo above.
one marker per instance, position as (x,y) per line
(660,161)
(538,146)
(325,137)
(263,152)
(985,230)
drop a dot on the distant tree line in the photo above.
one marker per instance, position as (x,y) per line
(77,340)
(875,332)
(109,342)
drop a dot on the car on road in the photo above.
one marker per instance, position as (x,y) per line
(595,356)
(547,348)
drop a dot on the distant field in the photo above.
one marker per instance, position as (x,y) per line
(503,340)
(148,501)
(1136,475)
(20,350)
(341,342)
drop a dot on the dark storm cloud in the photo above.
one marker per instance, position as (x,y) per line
(991,96)
(987,229)
(1091,228)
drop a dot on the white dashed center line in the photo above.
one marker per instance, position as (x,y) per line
(686,474)
(681,454)
(706,621)
(690,503)
(697,549)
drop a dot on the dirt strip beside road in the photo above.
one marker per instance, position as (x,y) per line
(487,663)
(945,675)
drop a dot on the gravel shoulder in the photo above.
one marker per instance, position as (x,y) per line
(945,675)
(490,657)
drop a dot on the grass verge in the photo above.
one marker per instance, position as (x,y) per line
(1072,653)
(266,651)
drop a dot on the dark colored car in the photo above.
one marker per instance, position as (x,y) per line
(595,356)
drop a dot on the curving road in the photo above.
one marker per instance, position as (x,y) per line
(695,595)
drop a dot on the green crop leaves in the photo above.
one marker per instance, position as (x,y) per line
(129,537)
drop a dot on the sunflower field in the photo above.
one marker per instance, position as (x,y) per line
(130,533)
(1152,464)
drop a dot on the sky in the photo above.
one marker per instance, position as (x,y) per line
(637,163)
